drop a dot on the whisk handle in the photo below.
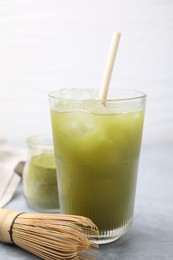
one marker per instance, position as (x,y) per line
(7,218)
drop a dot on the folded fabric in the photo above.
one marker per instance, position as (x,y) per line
(9,179)
(8,185)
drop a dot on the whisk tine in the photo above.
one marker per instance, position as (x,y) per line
(49,236)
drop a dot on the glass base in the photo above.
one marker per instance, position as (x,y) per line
(112,235)
(41,209)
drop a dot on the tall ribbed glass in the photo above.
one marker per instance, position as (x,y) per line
(97,147)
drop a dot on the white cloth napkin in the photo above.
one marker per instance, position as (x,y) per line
(9,179)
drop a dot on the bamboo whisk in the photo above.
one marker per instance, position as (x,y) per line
(49,236)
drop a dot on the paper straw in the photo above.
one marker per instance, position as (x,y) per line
(109,66)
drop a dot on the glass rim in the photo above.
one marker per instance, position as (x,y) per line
(135,95)
(42,141)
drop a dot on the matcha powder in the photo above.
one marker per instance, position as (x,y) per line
(40,183)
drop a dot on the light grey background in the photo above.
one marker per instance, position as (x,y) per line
(49,44)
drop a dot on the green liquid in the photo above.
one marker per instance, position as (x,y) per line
(40,183)
(97,160)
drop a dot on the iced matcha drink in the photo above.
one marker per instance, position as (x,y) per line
(97,146)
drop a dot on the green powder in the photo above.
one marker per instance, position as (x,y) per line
(40,183)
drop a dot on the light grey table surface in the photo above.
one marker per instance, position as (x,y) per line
(151,236)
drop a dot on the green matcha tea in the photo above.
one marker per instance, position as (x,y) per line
(97,150)
(40,183)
